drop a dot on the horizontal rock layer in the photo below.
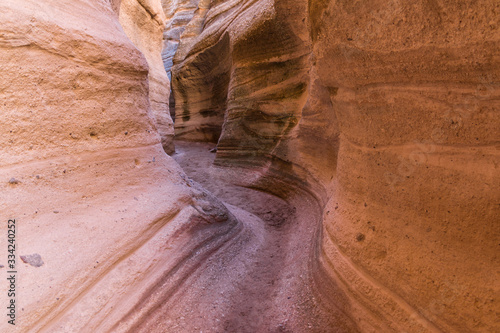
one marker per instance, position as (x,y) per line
(111,218)
(376,121)
(387,112)
(413,208)
(143,21)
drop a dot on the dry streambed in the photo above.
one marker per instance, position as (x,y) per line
(258,281)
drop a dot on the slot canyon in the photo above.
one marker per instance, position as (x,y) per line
(250,166)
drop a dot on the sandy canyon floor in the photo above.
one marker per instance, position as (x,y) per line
(258,281)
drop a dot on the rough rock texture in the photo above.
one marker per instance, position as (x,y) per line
(179,14)
(387,113)
(413,219)
(205,58)
(143,21)
(364,131)
(114,219)
(250,69)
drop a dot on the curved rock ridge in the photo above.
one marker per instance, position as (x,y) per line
(387,113)
(178,16)
(114,223)
(361,137)
(246,81)
(204,55)
(143,21)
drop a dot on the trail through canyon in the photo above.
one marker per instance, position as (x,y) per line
(258,281)
(354,188)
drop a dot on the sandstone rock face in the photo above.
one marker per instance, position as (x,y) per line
(143,21)
(372,124)
(107,215)
(386,113)
(413,220)
(204,55)
(250,69)
(178,16)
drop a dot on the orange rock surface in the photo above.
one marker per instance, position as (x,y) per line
(84,174)
(354,188)
(387,113)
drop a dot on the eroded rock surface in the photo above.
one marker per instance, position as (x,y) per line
(84,175)
(364,133)
(178,15)
(143,21)
(386,112)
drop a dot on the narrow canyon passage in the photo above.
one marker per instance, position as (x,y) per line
(354,189)
(258,281)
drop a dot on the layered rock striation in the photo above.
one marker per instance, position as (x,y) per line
(413,218)
(387,114)
(107,223)
(369,130)
(143,22)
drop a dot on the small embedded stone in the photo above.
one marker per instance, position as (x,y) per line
(14,181)
(34,260)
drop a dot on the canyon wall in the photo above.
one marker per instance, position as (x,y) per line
(143,22)
(178,14)
(107,223)
(412,225)
(386,112)
(377,121)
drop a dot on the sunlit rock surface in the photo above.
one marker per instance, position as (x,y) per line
(105,219)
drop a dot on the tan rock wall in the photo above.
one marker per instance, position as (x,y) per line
(387,111)
(179,14)
(201,92)
(84,174)
(143,21)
